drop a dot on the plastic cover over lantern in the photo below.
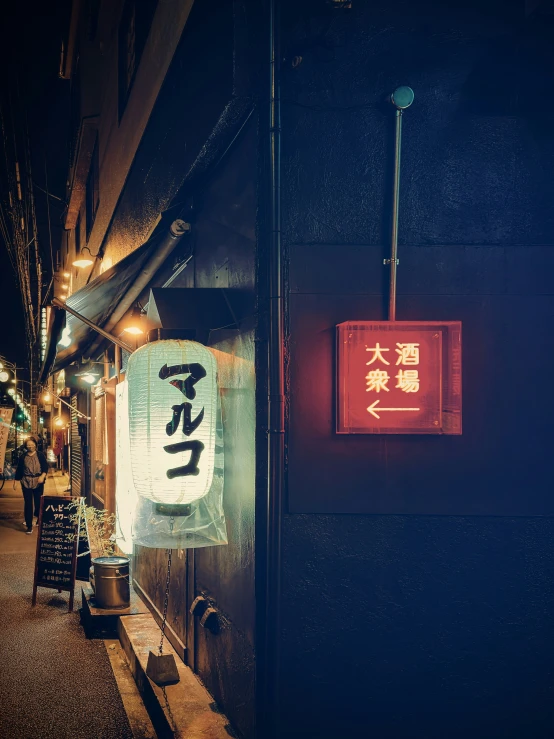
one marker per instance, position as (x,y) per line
(125,493)
(176,445)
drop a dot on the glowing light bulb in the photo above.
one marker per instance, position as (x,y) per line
(82,262)
(134,330)
(65,341)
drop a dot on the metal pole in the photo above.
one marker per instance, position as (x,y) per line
(401,98)
(60,304)
(270,688)
(117,360)
(74,410)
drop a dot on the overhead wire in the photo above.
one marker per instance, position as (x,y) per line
(18,226)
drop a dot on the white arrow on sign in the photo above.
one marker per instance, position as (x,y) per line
(373,410)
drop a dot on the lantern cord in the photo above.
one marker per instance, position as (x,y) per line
(167,579)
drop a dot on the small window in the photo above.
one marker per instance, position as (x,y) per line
(92,190)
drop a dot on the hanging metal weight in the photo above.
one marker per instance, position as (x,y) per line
(162,668)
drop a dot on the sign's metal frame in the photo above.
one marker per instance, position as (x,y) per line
(52,584)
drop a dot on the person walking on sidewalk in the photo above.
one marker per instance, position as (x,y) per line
(32,469)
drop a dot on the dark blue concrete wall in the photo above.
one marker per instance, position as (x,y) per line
(421,625)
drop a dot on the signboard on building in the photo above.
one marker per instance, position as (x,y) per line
(34,419)
(44,320)
(399,377)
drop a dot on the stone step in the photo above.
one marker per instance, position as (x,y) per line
(184,709)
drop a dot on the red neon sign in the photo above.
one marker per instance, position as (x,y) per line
(399,377)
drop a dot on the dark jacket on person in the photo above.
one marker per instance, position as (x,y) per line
(21,465)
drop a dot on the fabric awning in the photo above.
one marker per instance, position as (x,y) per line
(96,301)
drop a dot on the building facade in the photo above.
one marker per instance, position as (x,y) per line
(388,586)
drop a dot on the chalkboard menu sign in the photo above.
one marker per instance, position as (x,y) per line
(56,557)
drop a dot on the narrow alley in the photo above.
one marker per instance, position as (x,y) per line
(54,682)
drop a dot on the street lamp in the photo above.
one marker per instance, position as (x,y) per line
(4,363)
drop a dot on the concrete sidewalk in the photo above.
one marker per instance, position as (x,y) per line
(54,683)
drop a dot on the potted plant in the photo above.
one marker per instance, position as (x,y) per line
(109,572)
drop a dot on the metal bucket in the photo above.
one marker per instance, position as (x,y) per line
(110,581)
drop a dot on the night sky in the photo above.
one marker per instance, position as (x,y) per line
(30,43)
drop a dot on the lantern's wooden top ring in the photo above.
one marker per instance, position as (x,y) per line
(168,334)
(174,509)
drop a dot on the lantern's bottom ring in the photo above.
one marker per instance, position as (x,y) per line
(174,509)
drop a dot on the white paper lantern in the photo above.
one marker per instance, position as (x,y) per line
(172,420)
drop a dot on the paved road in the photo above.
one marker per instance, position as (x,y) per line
(54,683)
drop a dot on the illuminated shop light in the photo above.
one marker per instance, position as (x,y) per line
(134,324)
(90,378)
(82,259)
(65,340)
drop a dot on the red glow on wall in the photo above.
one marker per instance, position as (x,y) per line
(399,377)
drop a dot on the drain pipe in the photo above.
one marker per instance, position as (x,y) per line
(276,391)
(168,243)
